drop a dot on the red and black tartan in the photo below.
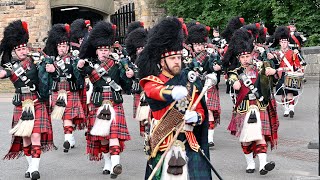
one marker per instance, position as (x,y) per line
(73,110)
(94,76)
(118,129)
(83,99)
(213,103)
(136,101)
(42,125)
(237,121)
(201,56)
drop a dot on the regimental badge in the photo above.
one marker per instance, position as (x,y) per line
(182,105)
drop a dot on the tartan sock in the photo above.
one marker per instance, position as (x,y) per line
(27,150)
(292,102)
(142,126)
(114,150)
(211,124)
(104,148)
(246,149)
(68,129)
(35,151)
(261,148)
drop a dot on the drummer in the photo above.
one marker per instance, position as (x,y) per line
(288,64)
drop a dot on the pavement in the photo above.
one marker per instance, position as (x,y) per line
(294,161)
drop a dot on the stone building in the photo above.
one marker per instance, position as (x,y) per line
(41,14)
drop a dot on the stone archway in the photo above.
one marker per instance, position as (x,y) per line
(94,10)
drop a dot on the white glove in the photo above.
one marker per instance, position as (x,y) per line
(179,92)
(261,49)
(191,116)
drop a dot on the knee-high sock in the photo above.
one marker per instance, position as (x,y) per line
(115,157)
(261,151)
(248,154)
(35,153)
(27,153)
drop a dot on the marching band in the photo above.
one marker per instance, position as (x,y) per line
(173,72)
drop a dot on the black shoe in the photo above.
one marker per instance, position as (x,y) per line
(291,114)
(268,167)
(106,172)
(66,146)
(285,115)
(27,175)
(211,144)
(116,171)
(250,170)
(113,176)
(35,175)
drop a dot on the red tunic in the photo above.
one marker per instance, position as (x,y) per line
(155,88)
(292,58)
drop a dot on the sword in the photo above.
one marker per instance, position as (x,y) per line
(209,163)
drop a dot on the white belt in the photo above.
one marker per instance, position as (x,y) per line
(25,90)
(106,89)
(63,79)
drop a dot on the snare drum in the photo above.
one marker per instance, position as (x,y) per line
(293,81)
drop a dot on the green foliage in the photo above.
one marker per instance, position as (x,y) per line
(273,13)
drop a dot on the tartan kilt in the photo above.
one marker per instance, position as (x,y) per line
(213,103)
(237,121)
(136,101)
(118,128)
(73,110)
(42,125)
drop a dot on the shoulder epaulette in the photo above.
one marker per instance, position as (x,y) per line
(152,78)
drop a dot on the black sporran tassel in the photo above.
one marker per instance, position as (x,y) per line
(24,127)
(60,105)
(180,160)
(173,160)
(105,115)
(252,117)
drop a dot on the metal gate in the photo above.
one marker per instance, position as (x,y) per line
(122,18)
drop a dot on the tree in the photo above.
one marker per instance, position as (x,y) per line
(273,13)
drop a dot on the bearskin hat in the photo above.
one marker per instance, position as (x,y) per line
(79,29)
(192,23)
(102,34)
(234,24)
(134,25)
(59,34)
(253,29)
(198,33)
(135,39)
(240,43)
(263,31)
(15,35)
(281,32)
(164,39)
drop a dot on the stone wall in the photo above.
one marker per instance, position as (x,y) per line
(312,57)
(36,13)
(147,11)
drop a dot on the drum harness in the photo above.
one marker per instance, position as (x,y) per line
(295,98)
